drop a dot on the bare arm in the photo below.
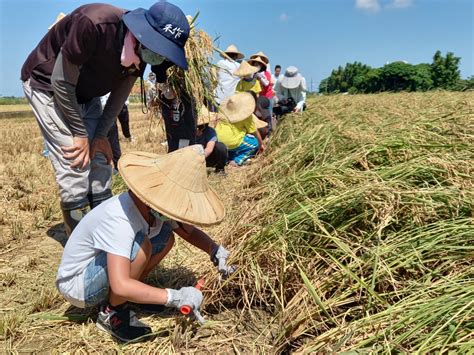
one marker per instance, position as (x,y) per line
(196,237)
(209,148)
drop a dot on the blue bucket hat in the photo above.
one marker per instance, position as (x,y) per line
(163,29)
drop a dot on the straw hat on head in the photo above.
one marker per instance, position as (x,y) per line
(206,117)
(258,60)
(292,78)
(258,122)
(232,49)
(174,184)
(237,107)
(261,55)
(245,69)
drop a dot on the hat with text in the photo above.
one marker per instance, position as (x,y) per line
(174,184)
(163,29)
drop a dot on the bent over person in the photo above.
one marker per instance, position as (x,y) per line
(96,49)
(117,244)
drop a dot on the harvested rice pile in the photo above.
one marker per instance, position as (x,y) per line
(355,231)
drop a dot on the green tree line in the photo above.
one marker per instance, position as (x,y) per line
(442,73)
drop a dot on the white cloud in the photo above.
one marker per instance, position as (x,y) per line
(284,17)
(377,5)
(399,4)
(368,5)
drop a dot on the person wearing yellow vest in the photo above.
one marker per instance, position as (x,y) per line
(247,82)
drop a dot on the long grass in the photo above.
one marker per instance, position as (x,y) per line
(359,232)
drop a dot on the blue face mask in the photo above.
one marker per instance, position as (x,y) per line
(151,57)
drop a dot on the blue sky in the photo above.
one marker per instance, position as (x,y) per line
(314,35)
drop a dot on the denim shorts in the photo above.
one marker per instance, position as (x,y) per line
(96,279)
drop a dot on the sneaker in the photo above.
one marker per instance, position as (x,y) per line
(220,172)
(130,139)
(122,324)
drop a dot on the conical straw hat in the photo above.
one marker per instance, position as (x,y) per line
(262,55)
(174,184)
(258,122)
(237,107)
(205,116)
(258,60)
(232,49)
(60,16)
(245,69)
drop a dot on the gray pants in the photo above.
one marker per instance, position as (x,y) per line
(76,186)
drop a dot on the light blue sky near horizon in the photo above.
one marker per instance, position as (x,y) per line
(314,35)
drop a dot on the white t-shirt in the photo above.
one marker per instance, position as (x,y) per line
(110,227)
(227,82)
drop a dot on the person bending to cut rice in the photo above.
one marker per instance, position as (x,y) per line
(237,129)
(115,246)
(96,49)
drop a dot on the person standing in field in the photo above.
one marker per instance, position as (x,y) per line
(276,74)
(96,49)
(116,245)
(226,79)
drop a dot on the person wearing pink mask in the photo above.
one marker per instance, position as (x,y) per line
(96,49)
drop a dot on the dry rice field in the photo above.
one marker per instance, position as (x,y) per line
(317,226)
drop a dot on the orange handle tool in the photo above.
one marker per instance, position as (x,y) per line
(187,309)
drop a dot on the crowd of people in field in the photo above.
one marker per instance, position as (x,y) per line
(249,100)
(114,242)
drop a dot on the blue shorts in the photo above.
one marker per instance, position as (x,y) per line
(96,279)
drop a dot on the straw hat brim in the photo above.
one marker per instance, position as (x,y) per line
(262,55)
(206,117)
(244,105)
(245,70)
(258,122)
(143,174)
(259,61)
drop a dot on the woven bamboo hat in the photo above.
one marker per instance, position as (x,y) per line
(261,55)
(258,60)
(259,123)
(237,107)
(205,116)
(245,69)
(232,49)
(174,184)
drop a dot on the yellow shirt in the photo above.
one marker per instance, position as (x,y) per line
(232,134)
(253,85)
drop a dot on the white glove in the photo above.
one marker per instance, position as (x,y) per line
(299,106)
(219,257)
(186,296)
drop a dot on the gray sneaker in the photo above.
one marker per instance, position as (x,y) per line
(122,324)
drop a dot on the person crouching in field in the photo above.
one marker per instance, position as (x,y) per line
(215,151)
(96,49)
(237,130)
(247,82)
(116,245)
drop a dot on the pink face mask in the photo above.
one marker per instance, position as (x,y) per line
(128,56)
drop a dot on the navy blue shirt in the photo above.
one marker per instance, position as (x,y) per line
(208,135)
